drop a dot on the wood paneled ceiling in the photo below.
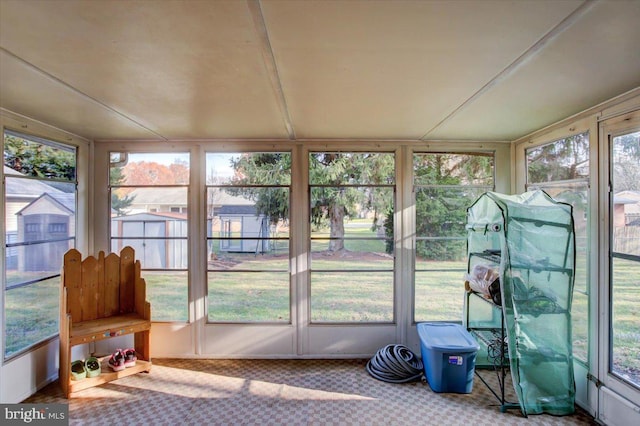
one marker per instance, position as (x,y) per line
(299,70)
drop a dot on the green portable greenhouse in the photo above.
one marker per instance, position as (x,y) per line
(529,241)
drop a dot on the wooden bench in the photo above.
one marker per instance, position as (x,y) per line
(100,299)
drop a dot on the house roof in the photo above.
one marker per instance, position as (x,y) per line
(64,200)
(175,196)
(150,216)
(26,188)
(627,197)
(231,209)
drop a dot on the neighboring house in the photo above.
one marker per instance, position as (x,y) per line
(158,199)
(626,208)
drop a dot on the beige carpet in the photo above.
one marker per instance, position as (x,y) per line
(282,392)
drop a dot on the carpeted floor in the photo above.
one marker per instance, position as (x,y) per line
(282,392)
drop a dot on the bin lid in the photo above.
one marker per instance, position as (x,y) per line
(444,336)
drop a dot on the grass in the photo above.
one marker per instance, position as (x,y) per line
(626,319)
(32,314)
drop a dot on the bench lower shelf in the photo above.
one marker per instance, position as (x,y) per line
(108,375)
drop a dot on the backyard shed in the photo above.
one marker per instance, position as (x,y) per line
(242,229)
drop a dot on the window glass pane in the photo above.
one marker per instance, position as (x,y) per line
(626,194)
(227,255)
(245,296)
(625,322)
(352,205)
(32,314)
(625,263)
(36,157)
(249,168)
(351,297)
(453,169)
(149,212)
(445,185)
(159,238)
(364,239)
(564,159)
(40,226)
(248,200)
(439,293)
(34,262)
(577,194)
(143,169)
(561,169)
(580,325)
(351,168)
(168,294)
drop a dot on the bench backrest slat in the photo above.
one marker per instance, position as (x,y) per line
(102,287)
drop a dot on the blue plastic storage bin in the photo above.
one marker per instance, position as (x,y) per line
(448,355)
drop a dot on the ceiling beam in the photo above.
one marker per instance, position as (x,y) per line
(270,63)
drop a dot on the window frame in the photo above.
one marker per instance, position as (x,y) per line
(586,289)
(311,238)
(40,229)
(118,157)
(228,241)
(416,238)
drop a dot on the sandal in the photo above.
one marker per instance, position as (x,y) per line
(93,367)
(78,372)
(130,357)
(116,360)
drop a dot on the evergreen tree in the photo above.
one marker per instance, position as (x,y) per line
(120,201)
(39,159)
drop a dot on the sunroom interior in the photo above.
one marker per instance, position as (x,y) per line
(294,175)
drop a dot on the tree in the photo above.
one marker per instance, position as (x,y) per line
(346,183)
(120,201)
(564,159)
(341,186)
(255,171)
(39,159)
(626,152)
(152,173)
(445,190)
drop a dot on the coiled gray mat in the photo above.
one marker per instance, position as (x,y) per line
(395,364)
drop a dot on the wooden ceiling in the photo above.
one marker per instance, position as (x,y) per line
(300,70)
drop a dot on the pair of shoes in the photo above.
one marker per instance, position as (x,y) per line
(122,359)
(78,371)
(92,365)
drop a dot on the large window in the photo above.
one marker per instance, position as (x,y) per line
(40,223)
(352,239)
(624,361)
(146,189)
(561,168)
(444,185)
(248,273)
